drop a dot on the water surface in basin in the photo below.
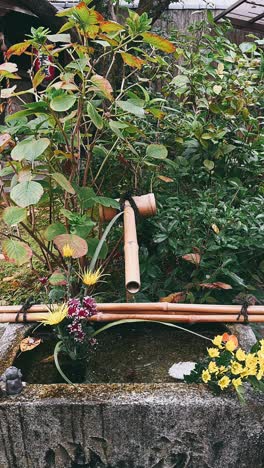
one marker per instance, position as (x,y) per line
(131,353)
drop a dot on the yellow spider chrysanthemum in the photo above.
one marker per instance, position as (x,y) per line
(55,316)
(206,376)
(213,352)
(224,382)
(67,251)
(90,278)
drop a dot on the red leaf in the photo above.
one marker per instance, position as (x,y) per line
(193,258)
(216,285)
(132,61)
(174,297)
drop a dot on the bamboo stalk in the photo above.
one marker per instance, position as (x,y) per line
(132,271)
(151,307)
(183,318)
(110,317)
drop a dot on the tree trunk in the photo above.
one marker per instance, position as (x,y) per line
(154,8)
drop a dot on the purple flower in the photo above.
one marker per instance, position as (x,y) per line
(79,336)
(90,305)
(75,327)
(73,307)
(43,280)
(82,313)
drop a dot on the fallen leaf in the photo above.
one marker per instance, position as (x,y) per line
(174,297)
(215,285)
(165,178)
(29,343)
(5,140)
(193,258)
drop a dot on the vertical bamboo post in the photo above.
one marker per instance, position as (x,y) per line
(132,271)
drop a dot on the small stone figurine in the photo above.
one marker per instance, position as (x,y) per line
(12,378)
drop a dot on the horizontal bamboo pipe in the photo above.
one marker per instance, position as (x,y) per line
(150,307)
(111,317)
(183,318)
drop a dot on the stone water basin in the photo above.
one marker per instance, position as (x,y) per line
(130,353)
(134,416)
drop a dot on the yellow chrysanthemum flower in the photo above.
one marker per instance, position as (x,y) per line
(224,382)
(261,342)
(213,368)
(90,278)
(260,354)
(55,316)
(260,374)
(249,371)
(240,355)
(206,376)
(251,360)
(213,352)
(236,368)
(237,382)
(222,369)
(217,341)
(230,346)
(261,363)
(67,251)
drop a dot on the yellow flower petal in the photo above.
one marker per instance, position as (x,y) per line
(67,251)
(206,376)
(224,382)
(55,316)
(90,278)
(213,352)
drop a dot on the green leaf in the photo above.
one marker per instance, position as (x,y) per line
(209,165)
(108,202)
(16,252)
(54,230)
(30,149)
(14,215)
(157,151)
(116,126)
(130,107)
(236,278)
(26,193)
(63,102)
(57,278)
(247,47)
(159,42)
(180,81)
(92,246)
(95,116)
(65,38)
(63,182)
(86,197)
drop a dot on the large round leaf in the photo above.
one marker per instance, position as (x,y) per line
(26,193)
(54,230)
(79,245)
(16,251)
(157,151)
(14,215)
(30,149)
(62,103)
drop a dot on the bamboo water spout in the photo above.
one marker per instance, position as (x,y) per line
(146,206)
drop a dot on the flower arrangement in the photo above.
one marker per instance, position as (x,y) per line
(229,367)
